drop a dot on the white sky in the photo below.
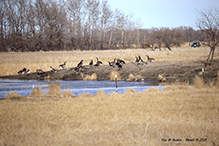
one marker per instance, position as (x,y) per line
(164,13)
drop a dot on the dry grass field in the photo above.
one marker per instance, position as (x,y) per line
(177,115)
(134,118)
(11,63)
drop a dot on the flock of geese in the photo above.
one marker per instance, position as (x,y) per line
(117,62)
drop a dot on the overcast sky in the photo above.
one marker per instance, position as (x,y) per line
(164,13)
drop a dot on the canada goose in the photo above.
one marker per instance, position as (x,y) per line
(140,61)
(91,63)
(52,69)
(77,69)
(136,59)
(119,65)
(39,71)
(63,65)
(27,71)
(120,61)
(21,71)
(149,59)
(80,64)
(24,69)
(112,64)
(98,62)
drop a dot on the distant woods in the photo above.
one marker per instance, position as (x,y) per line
(34,25)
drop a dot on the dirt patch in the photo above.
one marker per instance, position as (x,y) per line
(173,71)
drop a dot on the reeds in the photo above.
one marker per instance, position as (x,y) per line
(68,93)
(13,95)
(38,91)
(199,83)
(131,77)
(92,77)
(114,75)
(54,89)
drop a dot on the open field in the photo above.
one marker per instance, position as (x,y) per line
(187,114)
(11,63)
(146,118)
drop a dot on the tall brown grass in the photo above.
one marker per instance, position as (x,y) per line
(91,77)
(113,75)
(54,89)
(68,93)
(133,118)
(131,77)
(13,95)
(199,83)
(37,92)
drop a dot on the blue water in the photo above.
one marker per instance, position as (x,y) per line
(25,88)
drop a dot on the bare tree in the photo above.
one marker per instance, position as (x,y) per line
(208,23)
(171,37)
(77,13)
(2,25)
(106,16)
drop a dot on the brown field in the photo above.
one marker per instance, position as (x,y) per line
(133,118)
(182,112)
(11,63)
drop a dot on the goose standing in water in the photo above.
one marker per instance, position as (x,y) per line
(63,65)
(149,59)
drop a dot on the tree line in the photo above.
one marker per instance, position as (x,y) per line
(34,25)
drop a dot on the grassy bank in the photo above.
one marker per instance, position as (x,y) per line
(146,118)
(11,63)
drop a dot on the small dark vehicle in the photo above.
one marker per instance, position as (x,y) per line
(196,44)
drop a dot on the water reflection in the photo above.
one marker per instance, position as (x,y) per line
(25,88)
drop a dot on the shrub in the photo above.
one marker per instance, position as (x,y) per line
(54,89)
(37,91)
